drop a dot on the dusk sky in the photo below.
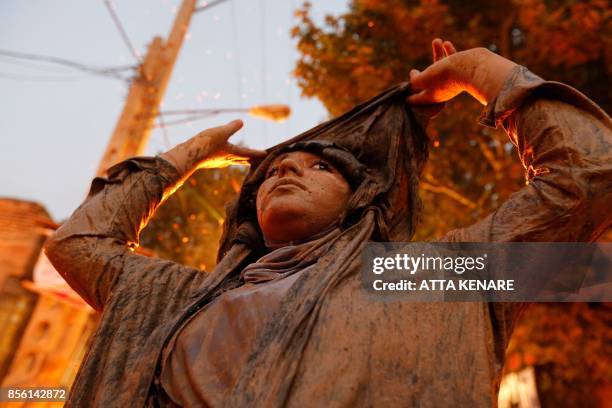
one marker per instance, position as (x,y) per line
(55,122)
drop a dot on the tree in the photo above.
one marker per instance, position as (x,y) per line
(570,347)
(473,169)
(188,226)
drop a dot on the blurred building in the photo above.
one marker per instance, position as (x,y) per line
(21,240)
(45,327)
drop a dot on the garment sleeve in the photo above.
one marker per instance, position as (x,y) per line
(564,141)
(95,246)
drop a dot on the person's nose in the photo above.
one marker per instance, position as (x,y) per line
(289,166)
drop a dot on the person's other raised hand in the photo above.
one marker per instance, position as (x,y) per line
(209,149)
(477,71)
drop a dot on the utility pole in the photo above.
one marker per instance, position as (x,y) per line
(135,124)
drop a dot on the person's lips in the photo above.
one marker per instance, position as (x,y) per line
(288,182)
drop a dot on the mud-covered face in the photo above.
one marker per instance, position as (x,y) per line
(301,196)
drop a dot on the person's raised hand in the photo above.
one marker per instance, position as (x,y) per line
(477,71)
(210,148)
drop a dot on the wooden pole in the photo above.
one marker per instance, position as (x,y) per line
(134,126)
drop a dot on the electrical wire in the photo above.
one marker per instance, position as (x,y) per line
(122,32)
(34,78)
(207,5)
(200,111)
(195,114)
(262,6)
(291,57)
(114,72)
(161,124)
(237,53)
(32,65)
(57,77)
(187,119)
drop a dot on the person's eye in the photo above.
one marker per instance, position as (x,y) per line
(272,172)
(321,165)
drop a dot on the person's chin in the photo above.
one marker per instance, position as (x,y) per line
(287,200)
(286,210)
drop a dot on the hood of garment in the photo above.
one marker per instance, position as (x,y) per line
(380,147)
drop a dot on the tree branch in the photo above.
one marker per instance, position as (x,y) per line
(491,159)
(449,192)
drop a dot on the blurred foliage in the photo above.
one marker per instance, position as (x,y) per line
(570,345)
(188,226)
(473,169)
(356,55)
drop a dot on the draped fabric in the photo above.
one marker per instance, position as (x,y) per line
(287,260)
(327,341)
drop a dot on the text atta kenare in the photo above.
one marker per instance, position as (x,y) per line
(445,285)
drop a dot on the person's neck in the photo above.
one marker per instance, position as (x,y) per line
(280,244)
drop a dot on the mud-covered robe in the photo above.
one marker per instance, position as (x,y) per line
(329,344)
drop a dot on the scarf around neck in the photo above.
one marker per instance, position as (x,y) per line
(289,259)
